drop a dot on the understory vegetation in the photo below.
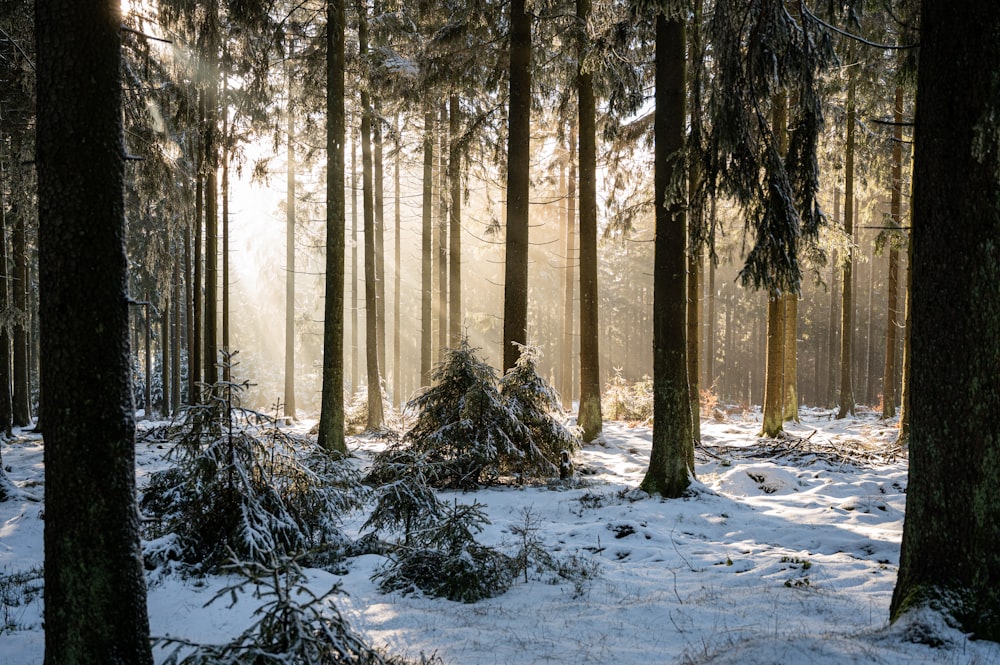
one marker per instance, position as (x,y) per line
(246,497)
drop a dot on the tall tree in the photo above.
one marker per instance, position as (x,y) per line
(368,213)
(895,215)
(426,296)
(331,419)
(397,376)
(290,202)
(455,225)
(589,417)
(6,405)
(568,297)
(210,51)
(846,399)
(515,297)
(949,561)
(19,287)
(671,461)
(93,561)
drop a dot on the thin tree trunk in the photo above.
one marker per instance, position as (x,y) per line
(290,203)
(195,351)
(165,356)
(331,420)
(426,295)
(847,314)
(379,198)
(397,280)
(211,198)
(19,286)
(355,339)
(569,338)
(455,226)
(515,301)
(6,403)
(671,462)
(444,193)
(227,369)
(892,308)
(710,376)
(589,417)
(375,412)
(175,338)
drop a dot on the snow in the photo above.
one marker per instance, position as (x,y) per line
(772,559)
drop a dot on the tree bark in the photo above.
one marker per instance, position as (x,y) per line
(331,421)
(290,203)
(95,593)
(892,308)
(379,203)
(671,462)
(455,226)
(211,52)
(6,403)
(19,286)
(368,212)
(515,300)
(949,561)
(569,336)
(847,310)
(589,417)
(355,341)
(426,267)
(444,195)
(397,389)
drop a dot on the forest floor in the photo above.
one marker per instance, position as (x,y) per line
(785,552)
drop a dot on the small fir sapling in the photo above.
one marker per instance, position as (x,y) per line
(241,484)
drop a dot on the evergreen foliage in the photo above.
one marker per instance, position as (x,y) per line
(242,486)
(472,428)
(295,626)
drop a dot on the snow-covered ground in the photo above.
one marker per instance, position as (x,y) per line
(782,554)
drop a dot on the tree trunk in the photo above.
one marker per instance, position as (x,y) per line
(515,300)
(892,309)
(671,462)
(397,393)
(165,356)
(211,195)
(426,294)
(847,311)
(589,417)
(19,286)
(379,198)
(355,341)
(227,369)
(444,194)
(195,350)
(455,226)
(95,590)
(331,420)
(6,403)
(368,213)
(949,561)
(710,331)
(290,203)
(790,408)
(569,336)
(175,338)
(772,421)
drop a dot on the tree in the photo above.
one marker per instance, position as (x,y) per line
(425,249)
(455,225)
(368,214)
(846,400)
(949,561)
(290,256)
(895,214)
(671,462)
(6,405)
(589,418)
(515,297)
(95,595)
(331,420)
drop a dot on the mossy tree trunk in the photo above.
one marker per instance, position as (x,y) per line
(95,589)
(949,560)
(671,462)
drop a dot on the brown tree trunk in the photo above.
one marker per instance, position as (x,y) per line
(95,589)
(426,267)
(331,419)
(290,202)
(455,227)
(671,462)
(949,560)
(847,312)
(589,417)
(892,309)
(568,297)
(515,301)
